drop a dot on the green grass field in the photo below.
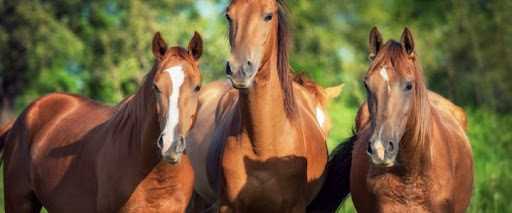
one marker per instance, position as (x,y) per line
(490,137)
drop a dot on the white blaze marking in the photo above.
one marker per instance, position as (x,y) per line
(320,116)
(379,146)
(173,116)
(384,74)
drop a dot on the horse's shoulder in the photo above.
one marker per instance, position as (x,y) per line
(450,132)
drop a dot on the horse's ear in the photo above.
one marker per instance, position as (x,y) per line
(333,92)
(159,46)
(407,41)
(195,46)
(374,43)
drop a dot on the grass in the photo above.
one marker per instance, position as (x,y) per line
(491,140)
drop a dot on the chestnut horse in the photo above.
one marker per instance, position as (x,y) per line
(71,154)
(413,155)
(257,146)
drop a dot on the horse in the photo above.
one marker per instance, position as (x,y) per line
(256,145)
(413,155)
(71,154)
(315,95)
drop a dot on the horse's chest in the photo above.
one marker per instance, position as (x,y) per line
(273,182)
(400,199)
(266,185)
(393,195)
(166,188)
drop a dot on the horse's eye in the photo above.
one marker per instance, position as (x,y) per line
(228,17)
(268,17)
(408,86)
(197,88)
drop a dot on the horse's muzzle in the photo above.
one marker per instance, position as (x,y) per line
(242,77)
(382,154)
(174,153)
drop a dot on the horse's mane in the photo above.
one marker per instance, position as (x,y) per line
(312,87)
(419,123)
(283,67)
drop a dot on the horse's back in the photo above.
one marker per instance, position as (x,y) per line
(44,142)
(57,118)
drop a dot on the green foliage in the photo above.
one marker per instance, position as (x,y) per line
(490,137)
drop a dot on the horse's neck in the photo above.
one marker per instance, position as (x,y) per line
(136,123)
(416,151)
(262,108)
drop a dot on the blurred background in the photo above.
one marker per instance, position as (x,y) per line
(101,49)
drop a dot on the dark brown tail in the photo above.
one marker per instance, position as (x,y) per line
(337,183)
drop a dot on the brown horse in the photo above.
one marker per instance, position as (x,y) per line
(71,154)
(412,156)
(257,147)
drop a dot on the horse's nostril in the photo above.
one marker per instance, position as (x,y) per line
(370,151)
(249,63)
(228,69)
(391,146)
